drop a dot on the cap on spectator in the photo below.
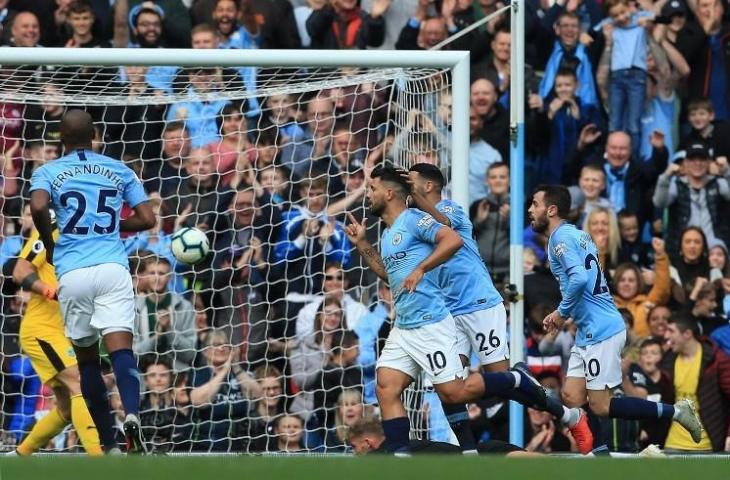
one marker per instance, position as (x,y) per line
(716,242)
(674,7)
(137,9)
(698,150)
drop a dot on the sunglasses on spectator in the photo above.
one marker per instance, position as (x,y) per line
(333,277)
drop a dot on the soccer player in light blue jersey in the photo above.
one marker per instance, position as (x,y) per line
(476,305)
(413,246)
(87,192)
(594,368)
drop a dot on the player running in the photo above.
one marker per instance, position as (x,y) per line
(423,337)
(43,341)
(87,190)
(594,368)
(477,308)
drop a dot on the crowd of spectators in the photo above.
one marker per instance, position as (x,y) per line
(271,342)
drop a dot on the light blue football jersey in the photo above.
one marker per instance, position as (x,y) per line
(403,246)
(464,278)
(574,262)
(87,192)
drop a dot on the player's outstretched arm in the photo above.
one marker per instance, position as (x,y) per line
(422,203)
(40,211)
(447,242)
(25,275)
(143,219)
(356,234)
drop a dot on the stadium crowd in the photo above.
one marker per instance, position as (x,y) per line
(270,344)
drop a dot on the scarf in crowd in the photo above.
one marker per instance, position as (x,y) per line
(586,86)
(616,185)
(346,26)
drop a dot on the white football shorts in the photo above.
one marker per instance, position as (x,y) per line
(485,333)
(431,348)
(96,299)
(600,363)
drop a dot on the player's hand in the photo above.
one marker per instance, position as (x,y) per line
(553,322)
(412,280)
(355,230)
(658,245)
(49,292)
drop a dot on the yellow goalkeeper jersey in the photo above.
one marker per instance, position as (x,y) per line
(41,311)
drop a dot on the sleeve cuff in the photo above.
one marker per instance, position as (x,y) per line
(300,242)
(414,23)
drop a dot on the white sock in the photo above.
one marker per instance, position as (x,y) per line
(570,416)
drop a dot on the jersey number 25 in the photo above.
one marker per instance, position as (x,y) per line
(71,227)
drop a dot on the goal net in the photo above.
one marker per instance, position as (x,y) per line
(270,343)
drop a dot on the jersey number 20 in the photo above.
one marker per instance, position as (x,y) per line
(598,287)
(102,207)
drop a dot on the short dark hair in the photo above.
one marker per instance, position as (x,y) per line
(566,72)
(77,128)
(367,426)
(390,174)
(174,126)
(649,341)
(431,173)
(626,214)
(80,6)
(557,195)
(496,165)
(684,321)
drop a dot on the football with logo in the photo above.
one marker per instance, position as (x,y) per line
(190,245)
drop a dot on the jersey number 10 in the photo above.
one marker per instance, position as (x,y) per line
(599,287)
(71,227)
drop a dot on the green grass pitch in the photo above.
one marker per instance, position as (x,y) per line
(371,468)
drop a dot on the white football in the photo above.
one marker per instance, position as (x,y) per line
(190,245)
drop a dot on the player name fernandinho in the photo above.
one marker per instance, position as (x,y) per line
(93,169)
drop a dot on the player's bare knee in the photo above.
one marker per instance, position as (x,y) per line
(571,398)
(71,380)
(599,404)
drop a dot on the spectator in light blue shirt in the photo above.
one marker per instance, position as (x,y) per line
(233,35)
(627,40)
(146,23)
(200,111)
(481,156)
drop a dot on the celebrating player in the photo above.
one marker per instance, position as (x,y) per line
(594,368)
(424,335)
(477,308)
(95,288)
(43,340)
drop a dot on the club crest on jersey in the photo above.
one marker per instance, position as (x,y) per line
(560,249)
(426,221)
(397,238)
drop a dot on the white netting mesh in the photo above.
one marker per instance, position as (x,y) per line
(269,175)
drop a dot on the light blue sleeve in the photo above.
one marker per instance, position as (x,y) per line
(423,226)
(134,193)
(454,213)
(40,180)
(566,251)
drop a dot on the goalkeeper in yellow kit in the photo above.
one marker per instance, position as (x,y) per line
(42,338)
